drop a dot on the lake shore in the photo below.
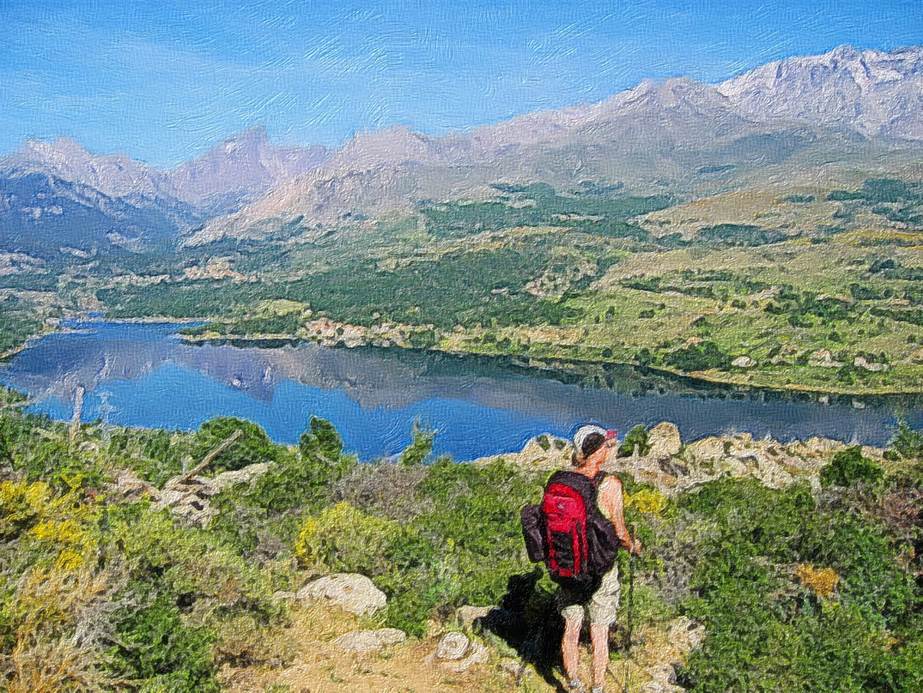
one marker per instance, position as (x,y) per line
(555,363)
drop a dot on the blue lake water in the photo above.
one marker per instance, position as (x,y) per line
(144,375)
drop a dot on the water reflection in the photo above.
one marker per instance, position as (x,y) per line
(143,375)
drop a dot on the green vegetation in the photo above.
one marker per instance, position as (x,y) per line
(796,590)
(849,467)
(592,275)
(739,235)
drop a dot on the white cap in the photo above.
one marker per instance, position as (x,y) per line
(584,431)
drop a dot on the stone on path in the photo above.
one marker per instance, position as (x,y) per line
(364,641)
(477,655)
(350,591)
(452,646)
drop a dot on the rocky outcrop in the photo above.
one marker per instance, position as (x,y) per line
(189,499)
(350,591)
(365,641)
(664,440)
(673,467)
(542,452)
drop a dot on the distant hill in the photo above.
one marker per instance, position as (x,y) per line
(847,107)
(42,215)
(239,169)
(847,110)
(59,194)
(873,92)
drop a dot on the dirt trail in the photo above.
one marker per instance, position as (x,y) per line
(316,665)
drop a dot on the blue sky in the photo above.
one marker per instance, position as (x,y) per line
(162,81)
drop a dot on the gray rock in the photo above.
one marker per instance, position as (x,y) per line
(466,615)
(478,655)
(239,476)
(452,646)
(664,440)
(350,591)
(743,362)
(364,641)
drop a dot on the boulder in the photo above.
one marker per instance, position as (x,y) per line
(477,654)
(466,615)
(238,476)
(664,440)
(824,359)
(864,363)
(350,591)
(743,362)
(364,641)
(452,646)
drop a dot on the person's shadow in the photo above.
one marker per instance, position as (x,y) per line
(528,622)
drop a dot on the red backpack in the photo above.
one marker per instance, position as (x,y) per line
(568,532)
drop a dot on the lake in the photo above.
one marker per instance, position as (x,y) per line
(142,374)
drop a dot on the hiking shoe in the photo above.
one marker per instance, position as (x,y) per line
(576,686)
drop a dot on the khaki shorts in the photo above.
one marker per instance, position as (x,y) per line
(602,606)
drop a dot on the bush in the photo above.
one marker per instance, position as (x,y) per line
(252,447)
(849,467)
(420,447)
(158,648)
(698,357)
(637,436)
(757,590)
(907,443)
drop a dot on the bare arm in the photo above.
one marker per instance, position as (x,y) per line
(611,500)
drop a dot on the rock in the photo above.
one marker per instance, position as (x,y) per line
(238,476)
(350,591)
(129,486)
(452,646)
(542,452)
(686,633)
(743,362)
(862,362)
(664,440)
(363,641)
(824,359)
(478,655)
(466,615)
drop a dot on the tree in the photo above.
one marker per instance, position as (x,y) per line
(322,449)
(420,446)
(253,446)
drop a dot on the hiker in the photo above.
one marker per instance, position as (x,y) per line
(577,531)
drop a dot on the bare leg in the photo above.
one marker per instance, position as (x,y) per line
(569,645)
(599,635)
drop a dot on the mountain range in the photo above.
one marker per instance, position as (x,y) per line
(776,122)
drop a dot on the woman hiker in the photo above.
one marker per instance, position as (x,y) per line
(592,447)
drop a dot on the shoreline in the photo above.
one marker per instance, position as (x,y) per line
(271,341)
(274,341)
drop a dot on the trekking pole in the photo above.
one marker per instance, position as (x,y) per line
(631,603)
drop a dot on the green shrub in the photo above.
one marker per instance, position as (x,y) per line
(698,357)
(849,467)
(161,652)
(907,443)
(252,447)
(637,436)
(420,447)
